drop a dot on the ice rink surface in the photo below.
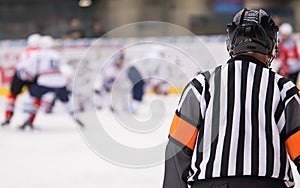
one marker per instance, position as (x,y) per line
(56,155)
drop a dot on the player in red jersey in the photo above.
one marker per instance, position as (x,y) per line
(288,53)
(21,77)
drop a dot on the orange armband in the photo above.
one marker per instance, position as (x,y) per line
(183,132)
(293,145)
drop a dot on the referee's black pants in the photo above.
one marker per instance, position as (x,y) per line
(240,182)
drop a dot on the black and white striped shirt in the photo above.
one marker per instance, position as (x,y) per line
(240,119)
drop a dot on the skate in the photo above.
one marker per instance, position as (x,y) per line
(6,122)
(48,110)
(26,124)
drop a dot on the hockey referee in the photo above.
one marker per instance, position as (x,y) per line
(238,125)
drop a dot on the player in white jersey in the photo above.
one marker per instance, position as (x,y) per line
(21,76)
(159,70)
(132,79)
(161,73)
(49,100)
(108,77)
(45,66)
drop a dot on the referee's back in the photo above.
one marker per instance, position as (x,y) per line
(238,124)
(245,127)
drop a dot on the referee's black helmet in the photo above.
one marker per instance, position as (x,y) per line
(252,31)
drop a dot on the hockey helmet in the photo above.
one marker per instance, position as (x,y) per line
(33,40)
(252,31)
(286,29)
(47,42)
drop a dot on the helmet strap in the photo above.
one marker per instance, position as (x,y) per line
(269,62)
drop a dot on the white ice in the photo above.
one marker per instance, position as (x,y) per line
(56,155)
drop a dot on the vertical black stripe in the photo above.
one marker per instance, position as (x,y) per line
(207,75)
(206,93)
(279,110)
(215,123)
(282,159)
(281,106)
(230,107)
(200,120)
(255,120)
(268,128)
(199,155)
(241,140)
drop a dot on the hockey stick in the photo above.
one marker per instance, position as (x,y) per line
(79,122)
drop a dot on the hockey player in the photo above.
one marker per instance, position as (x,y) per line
(161,74)
(21,77)
(49,100)
(45,66)
(288,53)
(108,77)
(137,88)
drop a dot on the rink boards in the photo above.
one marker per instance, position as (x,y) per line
(184,56)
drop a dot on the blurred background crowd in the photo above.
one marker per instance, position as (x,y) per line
(92,18)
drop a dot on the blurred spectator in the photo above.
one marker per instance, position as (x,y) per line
(288,53)
(75,30)
(97,30)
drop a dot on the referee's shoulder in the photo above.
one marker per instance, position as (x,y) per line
(204,76)
(286,87)
(201,80)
